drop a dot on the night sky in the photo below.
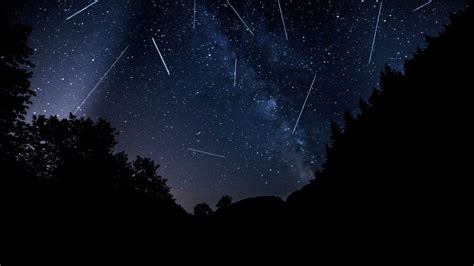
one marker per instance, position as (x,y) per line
(245,121)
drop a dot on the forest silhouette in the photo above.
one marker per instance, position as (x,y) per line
(388,174)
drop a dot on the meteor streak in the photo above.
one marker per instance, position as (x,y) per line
(420,7)
(375,33)
(80,11)
(248,28)
(208,153)
(100,81)
(304,104)
(166,67)
(282,20)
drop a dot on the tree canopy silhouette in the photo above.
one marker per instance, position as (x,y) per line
(70,164)
(224,202)
(15,92)
(202,210)
(389,166)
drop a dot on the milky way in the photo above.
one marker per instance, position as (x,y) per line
(236,83)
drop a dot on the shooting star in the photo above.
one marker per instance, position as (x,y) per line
(166,67)
(208,153)
(100,81)
(194,15)
(80,11)
(420,7)
(375,33)
(282,20)
(304,104)
(248,28)
(235,72)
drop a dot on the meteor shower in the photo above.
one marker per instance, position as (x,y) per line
(321,119)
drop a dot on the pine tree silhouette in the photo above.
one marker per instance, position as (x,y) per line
(15,94)
(387,169)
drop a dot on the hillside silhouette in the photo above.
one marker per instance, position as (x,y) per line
(388,174)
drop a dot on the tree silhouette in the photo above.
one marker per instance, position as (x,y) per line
(202,210)
(78,156)
(15,95)
(388,166)
(15,92)
(224,202)
(146,181)
(67,166)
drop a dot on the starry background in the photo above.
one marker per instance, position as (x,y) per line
(197,106)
